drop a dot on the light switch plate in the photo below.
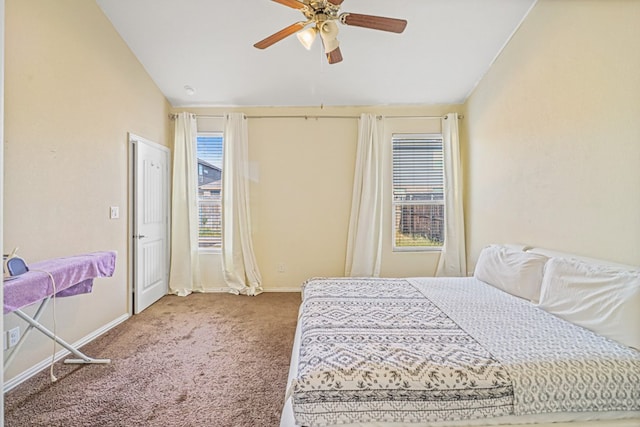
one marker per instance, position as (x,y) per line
(114,212)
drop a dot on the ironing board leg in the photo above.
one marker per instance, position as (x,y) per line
(33,321)
(11,353)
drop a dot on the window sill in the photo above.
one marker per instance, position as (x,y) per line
(207,251)
(417,249)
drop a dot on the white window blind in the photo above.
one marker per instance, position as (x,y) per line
(209,153)
(418,191)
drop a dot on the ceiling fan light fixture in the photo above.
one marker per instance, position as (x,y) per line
(329,34)
(323,16)
(307,37)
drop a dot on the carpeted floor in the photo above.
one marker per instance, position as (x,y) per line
(204,360)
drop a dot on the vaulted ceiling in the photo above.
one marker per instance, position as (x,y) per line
(207,45)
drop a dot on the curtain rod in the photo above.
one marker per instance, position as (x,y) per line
(306,117)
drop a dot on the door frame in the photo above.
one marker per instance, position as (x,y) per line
(131,226)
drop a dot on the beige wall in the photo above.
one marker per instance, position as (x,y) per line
(553,149)
(73,91)
(301,192)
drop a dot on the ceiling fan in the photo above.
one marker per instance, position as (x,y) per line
(322,15)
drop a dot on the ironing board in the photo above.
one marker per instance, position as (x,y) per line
(73,276)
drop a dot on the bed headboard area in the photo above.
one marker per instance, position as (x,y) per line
(557,254)
(595,294)
(551,253)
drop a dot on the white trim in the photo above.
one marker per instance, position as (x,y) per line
(227,290)
(283,290)
(135,138)
(209,250)
(130,226)
(214,291)
(25,375)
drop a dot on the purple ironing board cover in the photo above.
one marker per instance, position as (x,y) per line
(73,275)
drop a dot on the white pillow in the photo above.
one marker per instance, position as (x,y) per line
(601,298)
(518,273)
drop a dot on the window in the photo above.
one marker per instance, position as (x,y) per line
(418,192)
(209,153)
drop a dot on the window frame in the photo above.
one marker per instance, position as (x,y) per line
(205,249)
(395,204)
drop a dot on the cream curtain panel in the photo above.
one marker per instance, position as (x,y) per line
(453,261)
(238,260)
(364,241)
(184,276)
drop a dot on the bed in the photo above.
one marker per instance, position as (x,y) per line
(534,336)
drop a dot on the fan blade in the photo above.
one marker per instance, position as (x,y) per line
(286,32)
(295,4)
(336,2)
(374,22)
(334,56)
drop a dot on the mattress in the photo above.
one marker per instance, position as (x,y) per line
(451,351)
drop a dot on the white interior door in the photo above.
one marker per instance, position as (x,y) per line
(150,222)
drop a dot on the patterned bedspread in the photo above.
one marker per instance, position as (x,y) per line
(395,350)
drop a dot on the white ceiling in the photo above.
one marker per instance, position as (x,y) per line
(208,44)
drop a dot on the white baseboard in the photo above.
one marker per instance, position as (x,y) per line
(226,290)
(25,375)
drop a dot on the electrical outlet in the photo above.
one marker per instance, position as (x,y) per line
(281,267)
(14,336)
